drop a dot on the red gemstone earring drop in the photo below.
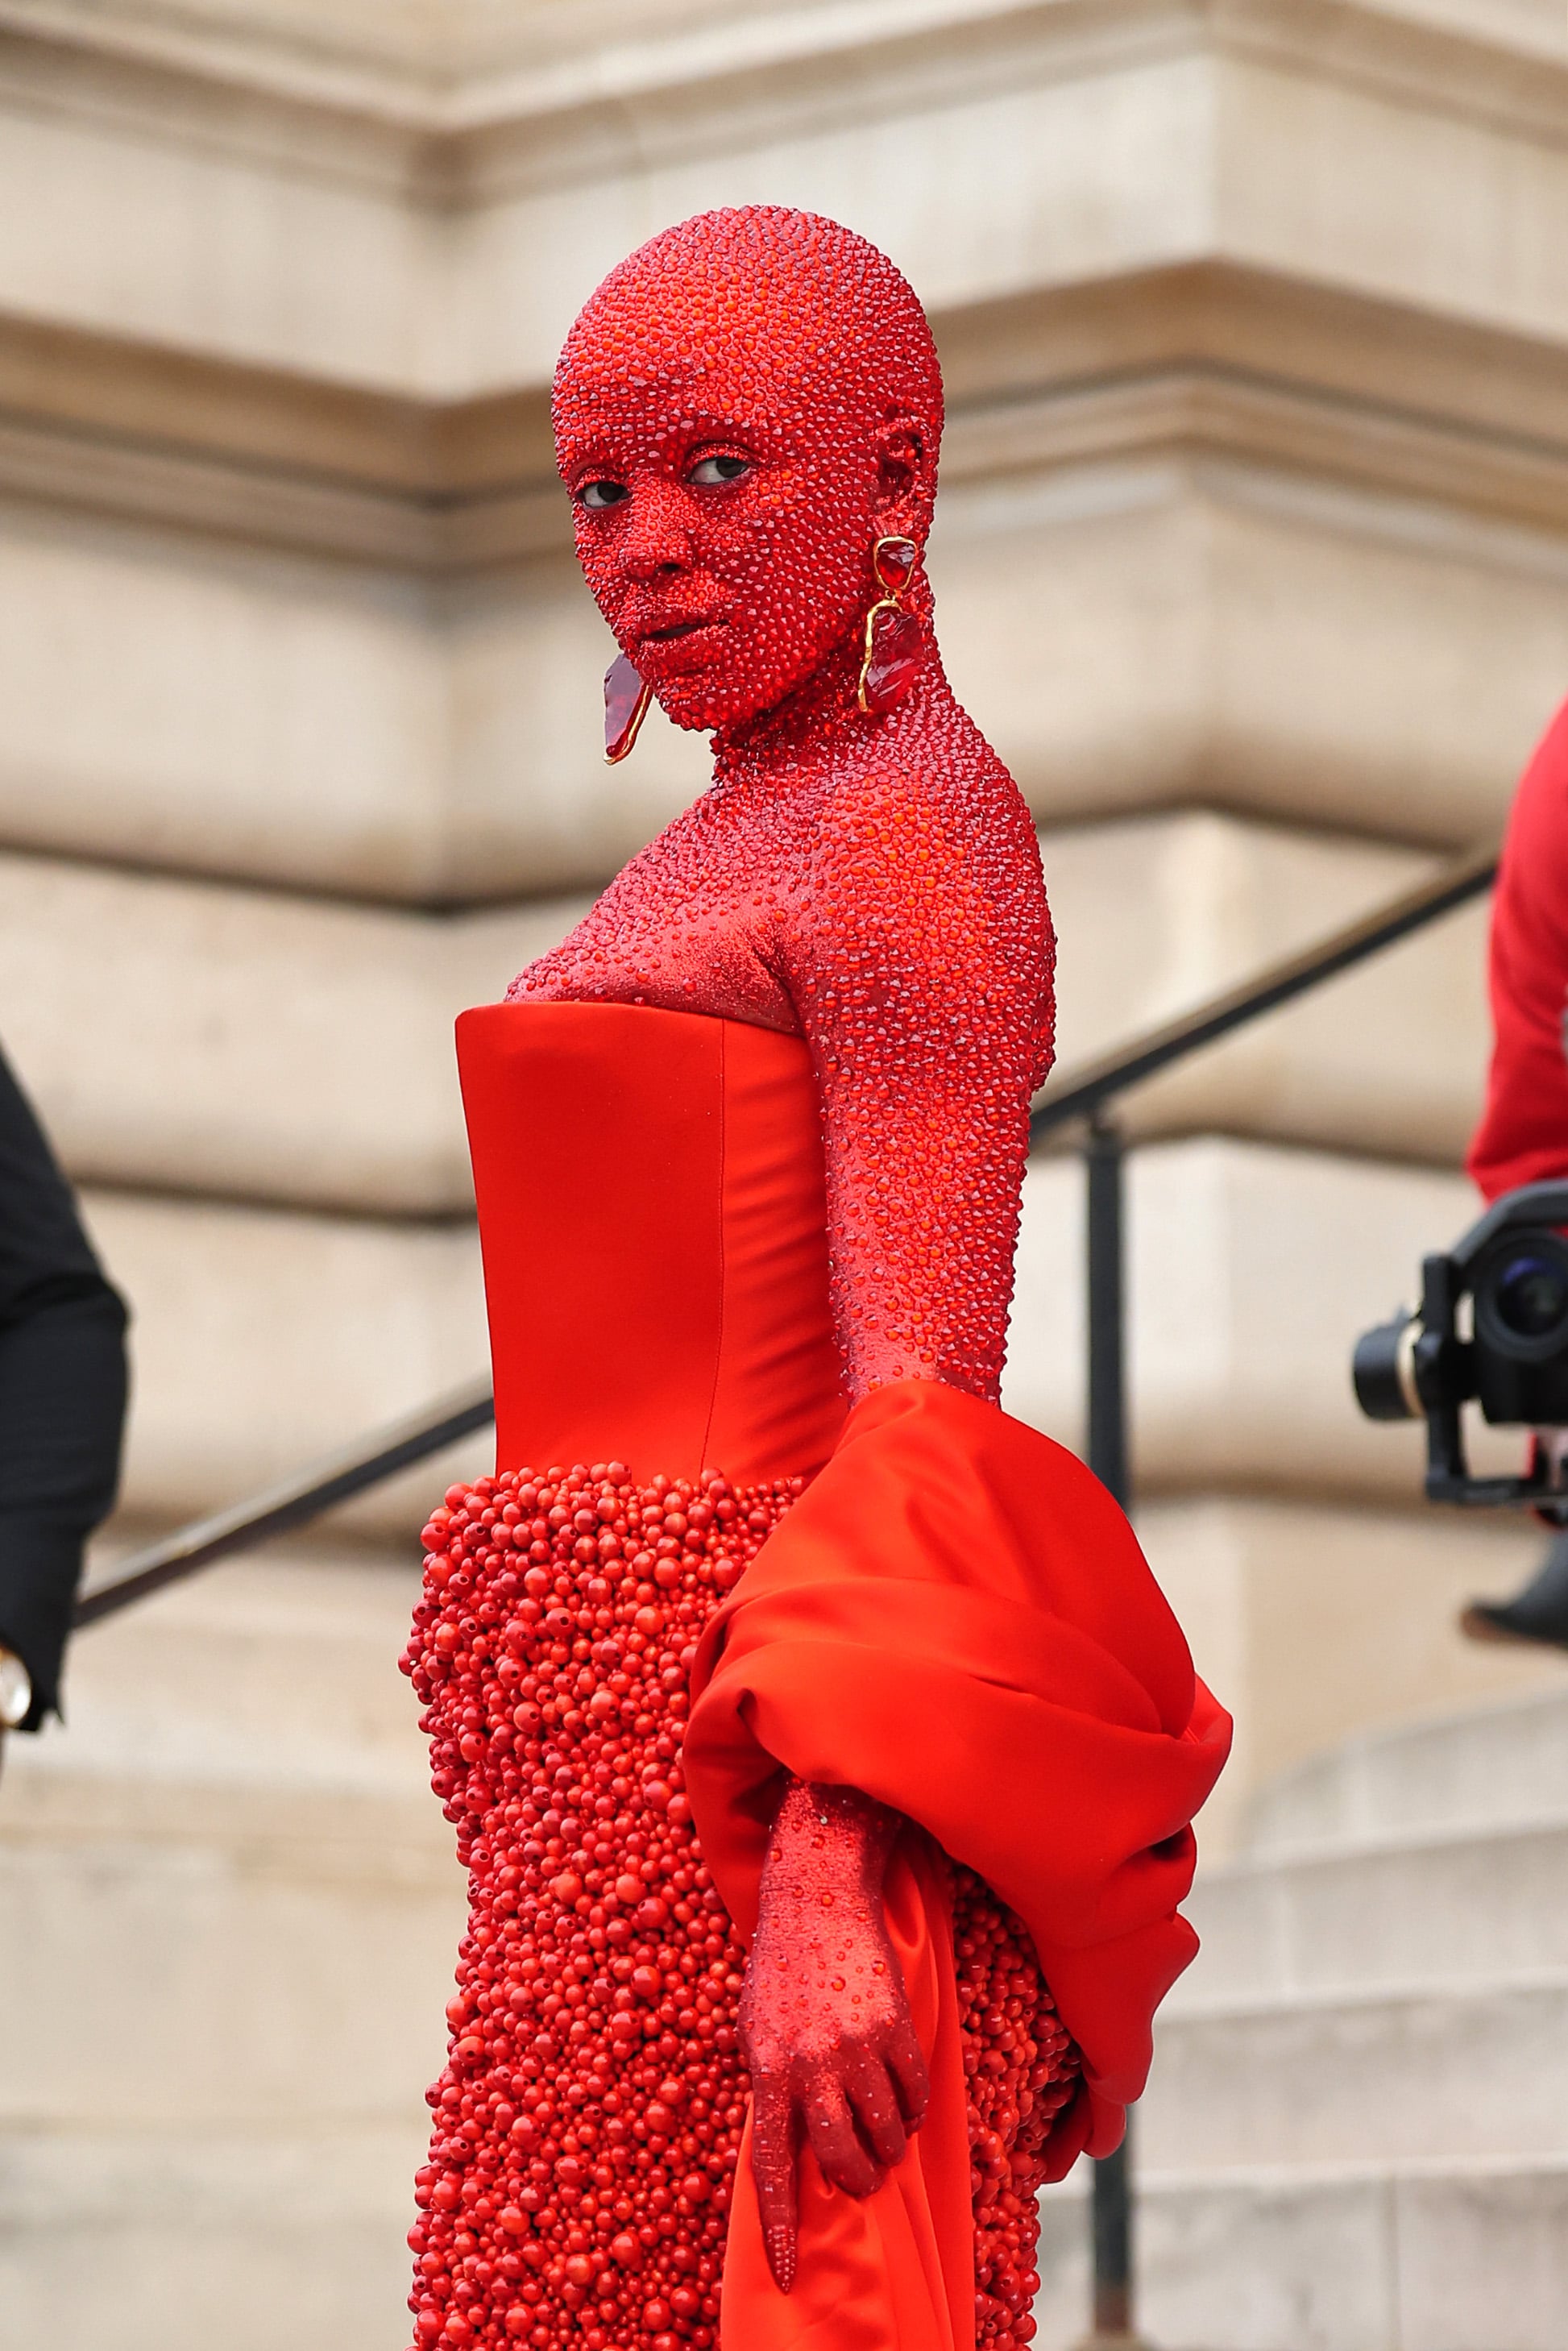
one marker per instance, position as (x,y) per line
(626,698)
(893,658)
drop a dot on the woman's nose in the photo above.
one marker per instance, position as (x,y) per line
(657,541)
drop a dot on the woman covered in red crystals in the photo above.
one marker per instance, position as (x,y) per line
(819,1746)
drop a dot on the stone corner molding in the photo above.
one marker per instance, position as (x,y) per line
(452,108)
(1202,359)
(193,442)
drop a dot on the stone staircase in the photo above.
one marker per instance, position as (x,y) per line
(228,1915)
(1356,2134)
(228,1912)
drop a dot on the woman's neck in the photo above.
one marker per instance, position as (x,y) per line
(820,719)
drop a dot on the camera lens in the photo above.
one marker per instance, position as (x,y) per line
(1521,1301)
(1531,1295)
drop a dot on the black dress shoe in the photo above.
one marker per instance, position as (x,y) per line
(1538,1614)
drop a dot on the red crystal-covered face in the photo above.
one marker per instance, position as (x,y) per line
(741,411)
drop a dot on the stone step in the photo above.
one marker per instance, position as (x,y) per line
(1265,1591)
(1466,2256)
(126,2239)
(1492,1767)
(229,1912)
(226,1894)
(1377,2076)
(281,1028)
(277,1669)
(1441,1911)
(262,1338)
(259,1975)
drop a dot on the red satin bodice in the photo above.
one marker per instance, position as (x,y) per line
(651,1215)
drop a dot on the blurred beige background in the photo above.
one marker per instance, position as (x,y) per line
(1252,559)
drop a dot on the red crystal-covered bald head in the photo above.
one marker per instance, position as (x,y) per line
(742,409)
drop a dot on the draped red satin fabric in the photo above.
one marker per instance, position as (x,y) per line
(957,1618)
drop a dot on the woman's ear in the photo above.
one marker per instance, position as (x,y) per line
(904,493)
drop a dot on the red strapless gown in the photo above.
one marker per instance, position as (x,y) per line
(696,1569)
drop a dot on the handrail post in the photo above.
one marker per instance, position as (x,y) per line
(1104,1162)
(1105,1165)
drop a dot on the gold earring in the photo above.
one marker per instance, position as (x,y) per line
(892,656)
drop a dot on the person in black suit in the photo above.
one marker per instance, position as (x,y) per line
(62,1409)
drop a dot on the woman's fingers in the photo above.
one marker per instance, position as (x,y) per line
(772,2169)
(906,2064)
(835,2141)
(870,2093)
(858,2110)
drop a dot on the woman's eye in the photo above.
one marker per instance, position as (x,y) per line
(603,493)
(709,472)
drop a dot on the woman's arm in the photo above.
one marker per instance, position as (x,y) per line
(920,978)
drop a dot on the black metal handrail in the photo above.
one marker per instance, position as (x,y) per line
(332,1477)
(1088,1090)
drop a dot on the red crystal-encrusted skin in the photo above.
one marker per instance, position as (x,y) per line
(869,883)
(825,2003)
(589,2112)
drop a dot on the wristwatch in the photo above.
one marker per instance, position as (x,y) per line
(15,1690)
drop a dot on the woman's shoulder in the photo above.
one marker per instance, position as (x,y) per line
(932,802)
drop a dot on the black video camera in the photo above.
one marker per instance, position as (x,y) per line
(1508,1351)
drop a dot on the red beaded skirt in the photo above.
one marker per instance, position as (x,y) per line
(588,2124)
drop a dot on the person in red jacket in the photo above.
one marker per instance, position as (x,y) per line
(1523,1137)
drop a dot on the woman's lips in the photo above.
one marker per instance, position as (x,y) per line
(675,645)
(674,629)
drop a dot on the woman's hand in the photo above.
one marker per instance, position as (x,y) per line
(824,2017)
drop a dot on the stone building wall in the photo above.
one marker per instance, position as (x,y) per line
(1251,559)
